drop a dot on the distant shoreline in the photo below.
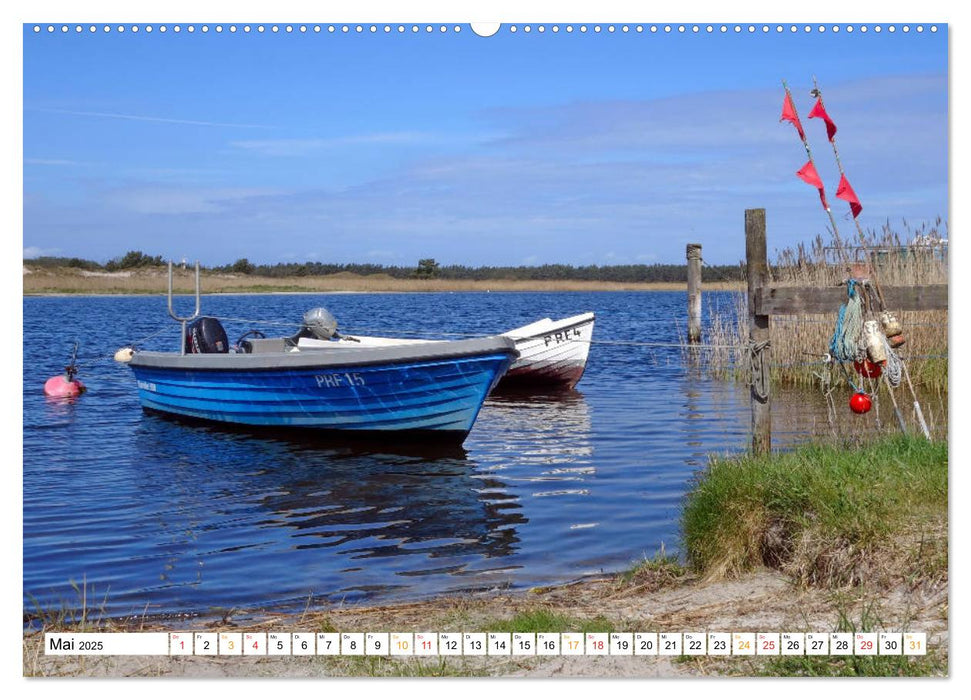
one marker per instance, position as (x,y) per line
(62,282)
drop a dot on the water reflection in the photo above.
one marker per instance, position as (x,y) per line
(367,508)
(549,434)
(425,512)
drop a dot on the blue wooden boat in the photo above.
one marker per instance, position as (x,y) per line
(432,389)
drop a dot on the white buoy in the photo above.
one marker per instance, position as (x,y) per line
(891,326)
(873,338)
(124,355)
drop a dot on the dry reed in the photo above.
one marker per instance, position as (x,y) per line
(799,344)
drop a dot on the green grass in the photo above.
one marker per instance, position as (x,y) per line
(826,514)
(843,666)
(87,612)
(867,620)
(546,620)
(663,570)
(853,615)
(413,667)
(931,372)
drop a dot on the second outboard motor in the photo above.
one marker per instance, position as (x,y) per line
(206,335)
(319,323)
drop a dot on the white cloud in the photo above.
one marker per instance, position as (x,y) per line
(300,147)
(49,161)
(144,118)
(35,252)
(182,200)
(381,255)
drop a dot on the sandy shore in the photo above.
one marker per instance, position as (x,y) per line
(69,281)
(760,602)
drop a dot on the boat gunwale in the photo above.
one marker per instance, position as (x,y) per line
(327,358)
(554,328)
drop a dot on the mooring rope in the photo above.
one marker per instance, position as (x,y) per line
(95,358)
(759,369)
(160,331)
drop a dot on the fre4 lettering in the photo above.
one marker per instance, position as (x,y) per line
(562,336)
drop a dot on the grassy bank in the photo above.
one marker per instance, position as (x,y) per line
(825,515)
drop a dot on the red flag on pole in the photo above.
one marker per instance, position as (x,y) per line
(846,193)
(818,111)
(809,175)
(789,115)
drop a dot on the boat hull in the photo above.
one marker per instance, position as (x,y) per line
(551,353)
(420,394)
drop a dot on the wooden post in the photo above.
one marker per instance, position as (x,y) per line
(693,254)
(757,267)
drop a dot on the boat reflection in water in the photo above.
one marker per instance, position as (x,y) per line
(343,522)
(546,437)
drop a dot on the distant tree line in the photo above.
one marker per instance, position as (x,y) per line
(131,260)
(427,268)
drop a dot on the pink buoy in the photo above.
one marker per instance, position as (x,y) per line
(65,386)
(61,387)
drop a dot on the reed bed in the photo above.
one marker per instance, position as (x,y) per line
(799,344)
(892,257)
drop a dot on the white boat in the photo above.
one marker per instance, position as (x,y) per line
(551,353)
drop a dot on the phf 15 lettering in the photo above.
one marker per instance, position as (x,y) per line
(336,379)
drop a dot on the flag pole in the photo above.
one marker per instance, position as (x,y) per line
(809,154)
(819,95)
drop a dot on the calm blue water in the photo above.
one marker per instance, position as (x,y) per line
(163,518)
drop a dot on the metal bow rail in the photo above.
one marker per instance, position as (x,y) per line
(180,319)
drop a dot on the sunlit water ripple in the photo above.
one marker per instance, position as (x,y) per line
(158,517)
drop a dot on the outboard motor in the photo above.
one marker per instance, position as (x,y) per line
(206,335)
(319,323)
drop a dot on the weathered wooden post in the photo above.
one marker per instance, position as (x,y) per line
(693,254)
(757,267)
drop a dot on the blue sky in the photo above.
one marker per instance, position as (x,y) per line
(580,148)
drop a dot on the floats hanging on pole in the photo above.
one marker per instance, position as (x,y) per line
(891,329)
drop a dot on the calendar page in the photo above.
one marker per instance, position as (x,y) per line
(378,345)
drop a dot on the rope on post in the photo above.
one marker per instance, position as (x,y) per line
(759,370)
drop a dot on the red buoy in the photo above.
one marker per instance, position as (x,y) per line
(65,386)
(870,370)
(860,403)
(61,387)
